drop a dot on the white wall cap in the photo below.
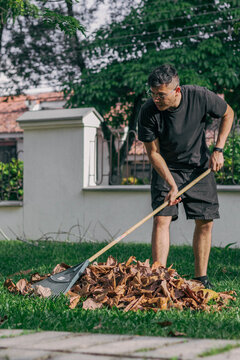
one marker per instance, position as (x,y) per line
(11,135)
(60,118)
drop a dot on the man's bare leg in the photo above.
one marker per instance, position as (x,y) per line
(202,245)
(160,239)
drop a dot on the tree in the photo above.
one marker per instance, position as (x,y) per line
(112,65)
(197,37)
(27,34)
(10,10)
(35,50)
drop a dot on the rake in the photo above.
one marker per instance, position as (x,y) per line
(62,282)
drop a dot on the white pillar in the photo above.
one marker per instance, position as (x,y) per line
(58,159)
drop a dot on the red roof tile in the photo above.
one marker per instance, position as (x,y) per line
(13,107)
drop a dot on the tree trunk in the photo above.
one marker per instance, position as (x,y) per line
(75,41)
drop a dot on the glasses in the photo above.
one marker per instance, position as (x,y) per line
(159,96)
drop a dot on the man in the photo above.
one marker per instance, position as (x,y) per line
(172,127)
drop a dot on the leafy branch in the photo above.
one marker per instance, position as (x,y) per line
(12,9)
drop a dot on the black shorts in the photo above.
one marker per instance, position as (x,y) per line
(200,202)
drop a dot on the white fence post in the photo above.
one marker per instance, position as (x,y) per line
(56,167)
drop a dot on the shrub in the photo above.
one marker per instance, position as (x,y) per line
(230,173)
(11,180)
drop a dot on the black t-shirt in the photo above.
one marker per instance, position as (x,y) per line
(181,131)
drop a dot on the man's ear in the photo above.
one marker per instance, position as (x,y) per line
(178,89)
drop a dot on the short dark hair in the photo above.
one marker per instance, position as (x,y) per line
(163,74)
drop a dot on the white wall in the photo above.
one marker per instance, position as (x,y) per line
(119,210)
(59,192)
(11,219)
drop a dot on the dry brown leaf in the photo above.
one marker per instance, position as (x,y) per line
(90,304)
(60,267)
(101,298)
(164,323)
(3,319)
(178,293)
(178,283)
(76,288)
(39,290)
(209,294)
(165,290)
(151,301)
(163,303)
(129,306)
(97,326)
(74,299)
(21,285)
(226,296)
(37,277)
(22,272)
(132,286)
(192,294)
(176,334)
(130,260)
(111,261)
(10,286)
(156,265)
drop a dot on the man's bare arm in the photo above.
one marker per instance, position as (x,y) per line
(159,164)
(217,160)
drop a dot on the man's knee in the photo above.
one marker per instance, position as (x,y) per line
(204,225)
(162,221)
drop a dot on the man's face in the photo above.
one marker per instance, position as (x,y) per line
(165,95)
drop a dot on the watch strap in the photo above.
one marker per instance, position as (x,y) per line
(218,149)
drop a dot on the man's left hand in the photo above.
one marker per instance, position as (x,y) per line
(216,161)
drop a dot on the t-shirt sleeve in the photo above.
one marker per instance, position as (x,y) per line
(147,127)
(215,105)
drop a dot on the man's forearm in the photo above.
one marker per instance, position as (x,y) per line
(161,167)
(225,127)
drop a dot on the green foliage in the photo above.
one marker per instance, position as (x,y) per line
(237,27)
(202,46)
(68,24)
(11,9)
(196,37)
(11,180)
(43,43)
(230,173)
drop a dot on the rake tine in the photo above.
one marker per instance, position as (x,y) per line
(62,282)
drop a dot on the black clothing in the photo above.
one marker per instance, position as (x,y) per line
(200,202)
(181,134)
(181,131)
(205,281)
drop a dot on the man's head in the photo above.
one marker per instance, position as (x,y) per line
(164,87)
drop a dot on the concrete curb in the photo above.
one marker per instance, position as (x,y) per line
(24,345)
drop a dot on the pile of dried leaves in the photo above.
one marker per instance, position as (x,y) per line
(133,285)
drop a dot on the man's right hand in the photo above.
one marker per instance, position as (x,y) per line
(171,196)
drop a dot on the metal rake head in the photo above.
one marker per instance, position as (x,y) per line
(62,282)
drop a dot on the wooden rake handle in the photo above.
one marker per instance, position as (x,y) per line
(134,227)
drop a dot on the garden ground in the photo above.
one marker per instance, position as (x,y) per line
(18,312)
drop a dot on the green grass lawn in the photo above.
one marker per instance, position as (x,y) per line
(18,312)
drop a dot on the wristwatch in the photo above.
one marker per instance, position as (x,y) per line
(218,149)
